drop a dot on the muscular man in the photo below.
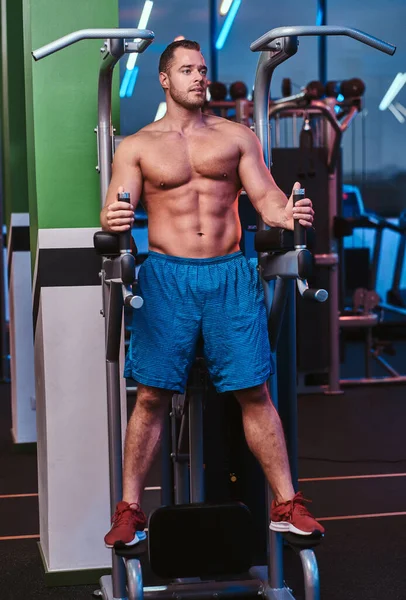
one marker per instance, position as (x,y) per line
(189,169)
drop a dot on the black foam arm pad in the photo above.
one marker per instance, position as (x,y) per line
(106,243)
(275,239)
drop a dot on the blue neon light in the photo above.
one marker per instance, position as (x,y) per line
(228,22)
(128,82)
(340,98)
(124,83)
(131,83)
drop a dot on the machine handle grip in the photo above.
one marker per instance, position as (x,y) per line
(312,294)
(125,236)
(315,295)
(127,260)
(91,34)
(281,32)
(132,300)
(299,232)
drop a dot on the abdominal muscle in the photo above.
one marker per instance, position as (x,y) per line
(186,223)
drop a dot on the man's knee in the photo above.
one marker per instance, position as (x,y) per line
(153,399)
(254,395)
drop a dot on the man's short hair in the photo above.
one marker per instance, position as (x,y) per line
(167,55)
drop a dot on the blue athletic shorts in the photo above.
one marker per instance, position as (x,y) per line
(220,299)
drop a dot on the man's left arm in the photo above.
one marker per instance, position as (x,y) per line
(266,197)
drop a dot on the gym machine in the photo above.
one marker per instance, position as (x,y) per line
(314,155)
(192,554)
(281,258)
(233,554)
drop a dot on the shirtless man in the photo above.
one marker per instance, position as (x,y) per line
(189,169)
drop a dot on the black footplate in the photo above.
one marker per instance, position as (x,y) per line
(302,542)
(132,551)
(199,540)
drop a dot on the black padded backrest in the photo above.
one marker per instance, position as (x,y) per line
(199,540)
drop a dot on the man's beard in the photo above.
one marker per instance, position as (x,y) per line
(187,101)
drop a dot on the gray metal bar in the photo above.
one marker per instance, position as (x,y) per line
(304,30)
(180,467)
(334,309)
(166,464)
(88,34)
(261,102)
(311,575)
(287,380)
(267,63)
(269,592)
(277,311)
(134,579)
(275,561)
(197,493)
(106,589)
(104,127)
(114,304)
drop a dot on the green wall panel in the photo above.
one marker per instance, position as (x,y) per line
(61,94)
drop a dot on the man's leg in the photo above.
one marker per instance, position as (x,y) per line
(142,442)
(143,439)
(266,440)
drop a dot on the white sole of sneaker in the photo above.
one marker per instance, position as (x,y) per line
(139,537)
(284,526)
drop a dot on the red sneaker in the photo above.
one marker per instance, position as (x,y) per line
(293,516)
(128,525)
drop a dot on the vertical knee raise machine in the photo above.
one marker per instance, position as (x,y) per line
(200,542)
(192,545)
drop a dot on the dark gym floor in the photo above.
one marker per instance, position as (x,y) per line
(352,464)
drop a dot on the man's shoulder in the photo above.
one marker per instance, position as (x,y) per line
(137,137)
(231,128)
(135,142)
(238,134)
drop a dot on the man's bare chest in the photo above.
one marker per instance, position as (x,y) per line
(172,163)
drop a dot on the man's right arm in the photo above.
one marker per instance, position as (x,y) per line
(126,176)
